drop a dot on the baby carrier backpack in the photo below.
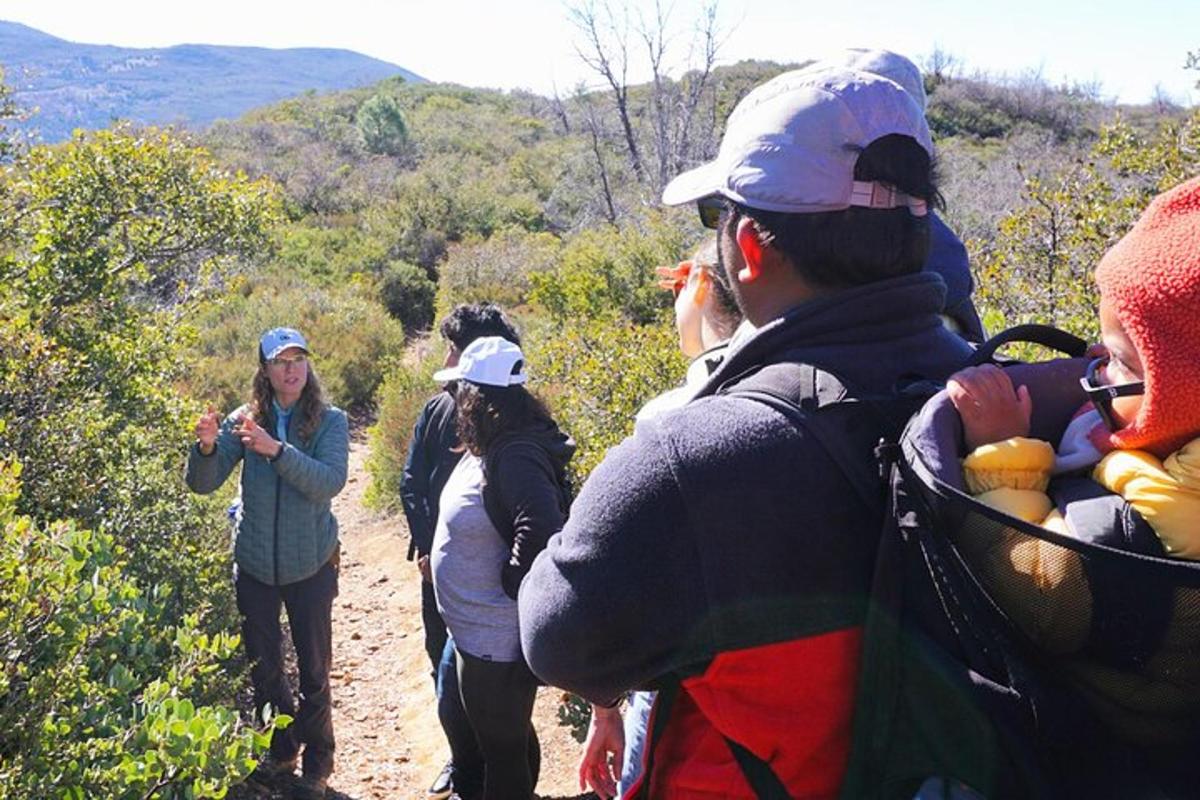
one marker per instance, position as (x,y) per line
(953,688)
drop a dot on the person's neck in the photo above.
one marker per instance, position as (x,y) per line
(712,335)
(777,290)
(772,304)
(285,402)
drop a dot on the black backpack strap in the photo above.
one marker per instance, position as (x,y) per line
(758,773)
(1045,335)
(799,390)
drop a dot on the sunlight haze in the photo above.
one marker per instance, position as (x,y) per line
(1131,51)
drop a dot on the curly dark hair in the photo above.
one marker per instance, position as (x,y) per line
(311,405)
(487,412)
(470,321)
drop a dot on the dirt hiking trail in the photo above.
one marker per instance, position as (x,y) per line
(389,743)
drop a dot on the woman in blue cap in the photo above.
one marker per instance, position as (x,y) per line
(293,447)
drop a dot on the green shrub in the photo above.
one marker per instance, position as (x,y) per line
(596,374)
(104,690)
(115,605)
(331,255)
(610,272)
(497,269)
(382,126)
(408,294)
(1039,265)
(991,108)
(404,392)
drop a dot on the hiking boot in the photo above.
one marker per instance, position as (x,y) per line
(271,769)
(442,786)
(310,788)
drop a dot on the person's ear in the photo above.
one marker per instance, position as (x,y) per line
(751,248)
(701,290)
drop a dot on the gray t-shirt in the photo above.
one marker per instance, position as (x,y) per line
(467,556)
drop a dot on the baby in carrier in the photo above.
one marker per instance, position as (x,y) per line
(1137,438)
(1138,433)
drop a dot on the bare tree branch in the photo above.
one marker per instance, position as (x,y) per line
(653,35)
(605,51)
(708,36)
(595,128)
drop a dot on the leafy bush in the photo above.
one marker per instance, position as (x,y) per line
(991,108)
(119,231)
(408,294)
(610,272)
(1039,265)
(498,269)
(596,374)
(575,713)
(403,393)
(331,255)
(116,641)
(97,672)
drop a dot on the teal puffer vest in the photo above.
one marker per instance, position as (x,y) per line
(285,530)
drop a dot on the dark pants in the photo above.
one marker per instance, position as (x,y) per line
(309,606)
(466,771)
(435,629)
(498,697)
(466,762)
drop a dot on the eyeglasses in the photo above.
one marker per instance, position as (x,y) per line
(674,278)
(711,208)
(281,361)
(1103,395)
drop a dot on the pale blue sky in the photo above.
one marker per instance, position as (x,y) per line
(1129,47)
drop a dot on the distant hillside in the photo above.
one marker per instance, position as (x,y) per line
(88,86)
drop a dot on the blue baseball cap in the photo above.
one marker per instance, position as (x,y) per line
(276,340)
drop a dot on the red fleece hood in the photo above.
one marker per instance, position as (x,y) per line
(1152,278)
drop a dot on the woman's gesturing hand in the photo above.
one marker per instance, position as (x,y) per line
(256,439)
(207,428)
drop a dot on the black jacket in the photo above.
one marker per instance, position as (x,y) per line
(431,459)
(526,494)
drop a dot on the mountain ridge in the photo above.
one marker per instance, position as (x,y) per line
(76,85)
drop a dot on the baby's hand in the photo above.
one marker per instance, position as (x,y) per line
(990,409)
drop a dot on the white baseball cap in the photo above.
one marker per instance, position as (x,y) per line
(791,144)
(489,360)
